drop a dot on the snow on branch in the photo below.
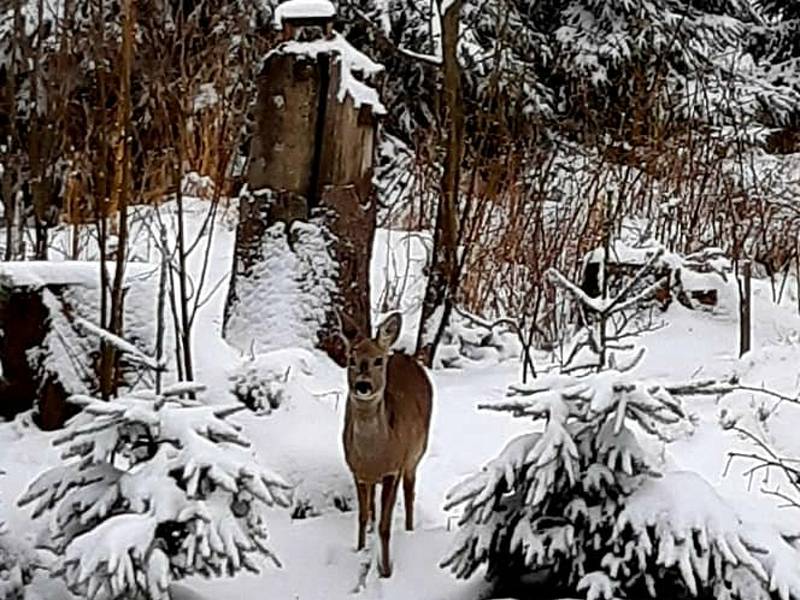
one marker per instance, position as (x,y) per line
(430,59)
(622,300)
(124,346)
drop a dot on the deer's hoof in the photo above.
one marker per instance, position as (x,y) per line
(385,571)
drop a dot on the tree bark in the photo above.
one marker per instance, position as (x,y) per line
(120,198)
(186,334)
(443,272)
(162,295)
(40,143)
(11,184)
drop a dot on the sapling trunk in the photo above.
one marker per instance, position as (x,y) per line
(162,293)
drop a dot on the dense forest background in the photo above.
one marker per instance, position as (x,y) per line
(683,113)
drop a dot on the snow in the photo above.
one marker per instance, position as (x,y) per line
(120,344)
(350,61)
(620,252)
(355,60)
(301,438)
(62,350)
(742,538)
(304,9)
(38,274)
(397,281)
(283,299)
(115,490)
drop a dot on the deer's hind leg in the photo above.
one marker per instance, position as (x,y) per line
(409,480)
(370,507)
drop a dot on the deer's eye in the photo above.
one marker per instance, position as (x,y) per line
(378,361)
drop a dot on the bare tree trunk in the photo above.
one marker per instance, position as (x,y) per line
(10,184)
(19,220)
(75,252)
(38,142)
(607,223)
(186,337)
(120,196)
(105,348)
(9,191)
(101,197)
(182,322)
(443,275)
(162,294)
(123,183)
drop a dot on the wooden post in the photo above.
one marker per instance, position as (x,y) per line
(745,305)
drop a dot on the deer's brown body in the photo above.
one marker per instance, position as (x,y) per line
(386,427)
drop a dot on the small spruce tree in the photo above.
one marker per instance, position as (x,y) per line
(583,502)
(154,488)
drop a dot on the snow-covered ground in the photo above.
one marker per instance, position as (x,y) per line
(301,440)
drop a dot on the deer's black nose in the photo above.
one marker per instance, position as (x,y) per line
(363,388)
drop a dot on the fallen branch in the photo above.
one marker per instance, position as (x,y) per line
(124,346)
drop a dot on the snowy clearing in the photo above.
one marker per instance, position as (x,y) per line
(300,439)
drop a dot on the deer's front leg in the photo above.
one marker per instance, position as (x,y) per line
(363,512)
(388,497)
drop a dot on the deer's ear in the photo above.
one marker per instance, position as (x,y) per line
(348,328)
(389,330)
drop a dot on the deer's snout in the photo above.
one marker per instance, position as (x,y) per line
(363,388)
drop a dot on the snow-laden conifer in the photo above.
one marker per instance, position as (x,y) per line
(154,488)
(584,500)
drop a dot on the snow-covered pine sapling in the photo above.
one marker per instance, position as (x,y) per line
(154,488)
(580,501)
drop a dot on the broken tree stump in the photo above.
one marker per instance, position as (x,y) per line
(311,161)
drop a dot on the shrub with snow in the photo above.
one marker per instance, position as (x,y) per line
(468,339)
(259,391)
(154,488)
(581,503)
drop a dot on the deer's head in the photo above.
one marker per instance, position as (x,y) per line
(367,357)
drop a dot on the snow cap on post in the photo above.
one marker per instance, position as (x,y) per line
(294,15)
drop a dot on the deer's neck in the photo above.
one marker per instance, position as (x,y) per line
(370,421)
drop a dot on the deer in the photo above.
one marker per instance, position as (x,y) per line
(386,426)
